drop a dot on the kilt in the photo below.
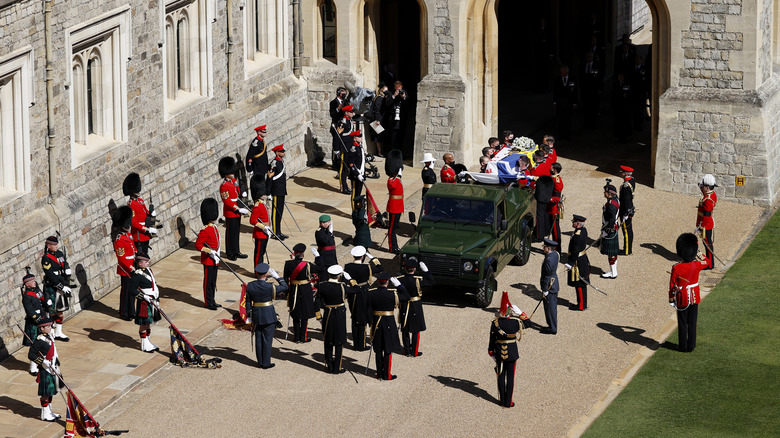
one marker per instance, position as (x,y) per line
(47,384)
(610,245)
(143,315)
(32,331)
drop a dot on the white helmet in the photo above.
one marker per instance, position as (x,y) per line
(708,180)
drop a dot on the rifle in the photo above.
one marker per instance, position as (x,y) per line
(269,229)
(62,300)
(241,174)
(220,259)
(151,218)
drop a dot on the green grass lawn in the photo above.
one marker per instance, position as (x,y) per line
(730,385)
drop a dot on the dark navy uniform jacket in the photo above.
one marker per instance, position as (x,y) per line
(260,296)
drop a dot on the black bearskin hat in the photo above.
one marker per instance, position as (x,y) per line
(131,185)
(459,167)
(687,247)
(122,217)
(209,210)
(257,186)
(227,166)
(394,162)
(544,189)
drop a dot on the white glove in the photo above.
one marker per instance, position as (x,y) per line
(267,231)
(603,234)
(400,171)
(270,198)
(395,281)
(346,276)
(462,174)
(273,273)
(545,294)
(251,173)
(370,257)
(68,271)
(152,230)
(315,252)
(214,256)
(516,309)
(360,178)
(625,218)
(568,266)
(243,210)
(154,213)
(47,365)
(243,194)
(49,303)
(330,227)
(66,290)
(147,298)
(423,267)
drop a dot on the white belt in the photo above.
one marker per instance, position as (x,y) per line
(234,200)
(689,287)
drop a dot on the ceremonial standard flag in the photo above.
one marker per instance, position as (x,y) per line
(78,422)
(371,207)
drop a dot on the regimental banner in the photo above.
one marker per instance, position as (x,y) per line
(78,422)
(371,207)
(236,324)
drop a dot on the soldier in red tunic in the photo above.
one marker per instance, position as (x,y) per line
(138,231)
(555,206)
(704,223)
(125,257)
(447,172)
(229,192)
(684,290)
(259,218)
(208,245)
(394,165)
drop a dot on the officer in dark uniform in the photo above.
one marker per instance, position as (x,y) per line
(344,129)
(33,303)
(56,272)
(384,331)
(427,174)
(549,285)
(577,262)
(336,113)
(334,294)
(300,301)
(505,330)
(257,155)
(411,314)
(277,189)
(361,270)
(610,246)
(545,185)
(627,208)
(325,253)
(260,296)
(356,164)
(44,353)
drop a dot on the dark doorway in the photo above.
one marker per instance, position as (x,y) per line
(399,60)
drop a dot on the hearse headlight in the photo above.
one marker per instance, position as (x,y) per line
(468,266)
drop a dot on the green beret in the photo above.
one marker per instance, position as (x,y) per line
(324,218)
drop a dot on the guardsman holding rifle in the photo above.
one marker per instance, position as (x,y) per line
(384,331)
(577,262)
(141,234)
(334,294)
(411,315)
(144,289)
(705,225)
(208,245)
(229,192)
(56,287)
(505,330)
(260,296)
(125,250)
(259,219)
(363,267)
(44,353)
(300,301)
(684,290)
(33,303)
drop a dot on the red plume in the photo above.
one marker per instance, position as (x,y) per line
(505,304)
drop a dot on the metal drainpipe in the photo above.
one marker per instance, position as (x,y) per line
(50,146)
(296,4)
(229,7)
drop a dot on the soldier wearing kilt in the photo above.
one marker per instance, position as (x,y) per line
(55,272)
(360,221)
(125,250)
(33,303)
(300,301)
(610,245)
(627,208)
(334,332)
(384,332)
(361,270)
(505,330)
(684,290)
(411,315)
(578,264)
(144,289)
(44,353)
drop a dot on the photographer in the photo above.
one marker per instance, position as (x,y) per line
(395,121)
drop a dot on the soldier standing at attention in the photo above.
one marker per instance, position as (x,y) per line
(141,234)
(44,353)
(55,271)
(627,208)
(208,245)
(277,190)
(411,314)
(334,332)
(684,290)
(361,270)
(144,288)
(428,174)
(344,129)
(555,206)
(33,303)
(325,253)
(300,301)
(257,155)
(229,193)
(609,229)
(447,172)
(336,113)
(394,165)
(356,161)
(259,219)
(550,286)
(260,296)
(360,221)
(577,262)
(505,330)
(705,225)
(384,332)
(125,250)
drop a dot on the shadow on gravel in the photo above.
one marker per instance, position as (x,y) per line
(296,356)
(659,249)
(322,208)
(121,340)
(12,363)
(19,407)
(226,353)
(466,386)
(177,295)
(447,297)
(629,334)
(311,182)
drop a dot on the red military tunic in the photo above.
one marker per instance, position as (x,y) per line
(125,254)
(209,235)
(395,190)
(447,174)
(228,191)
(552,157)
(259,213)
(552,206)
(684,283)
(706,206)
(138,227)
